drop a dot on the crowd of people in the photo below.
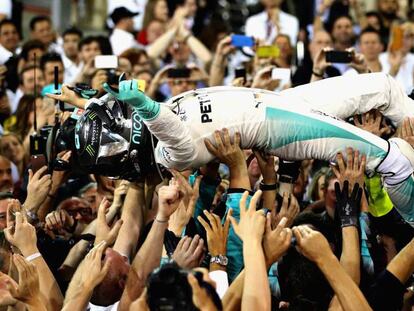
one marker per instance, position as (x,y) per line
(247,231)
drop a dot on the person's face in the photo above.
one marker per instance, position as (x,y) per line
(43,32)
(284,46)
(93,198)
(3,214)
(12,149)
(28,81)
(146,76)
(370,45)
(321,188)
(179,86)
(34,55)
(342,31)
(6,182)
(330,196)
(9,38)
(374,22)
(320,40)
(129,24)
(191,6)
(124,65)
(155,30)
(388,6)
(89,51)
(80,210)
(49,72)
(70,45)
(271,3)
(143,64)
(161,11)
(180,52)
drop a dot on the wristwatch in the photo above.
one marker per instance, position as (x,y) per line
(220,259)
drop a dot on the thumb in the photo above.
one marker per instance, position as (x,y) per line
(109,89)
(8,235)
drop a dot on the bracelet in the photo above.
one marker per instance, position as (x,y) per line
(161,221)
(319,75)
(33,256)
(264,187)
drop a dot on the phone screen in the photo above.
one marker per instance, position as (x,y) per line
(241,40)
(106,62)
(343,57)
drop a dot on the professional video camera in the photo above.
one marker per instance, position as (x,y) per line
(168,289)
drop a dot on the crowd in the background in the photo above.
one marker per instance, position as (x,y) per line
(328,239)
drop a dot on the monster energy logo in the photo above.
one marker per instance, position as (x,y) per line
(90,150)
(92,115)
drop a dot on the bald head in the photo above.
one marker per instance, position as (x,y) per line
(321,39)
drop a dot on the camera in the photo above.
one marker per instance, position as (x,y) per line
(288,174)
(168,289)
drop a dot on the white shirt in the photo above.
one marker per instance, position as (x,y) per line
(5,54)
(405,75)
(260,27)
(132,5)
(122,40)
(14,99)
(6,8)
(71,69)
(92,307)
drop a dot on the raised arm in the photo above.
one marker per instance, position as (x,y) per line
(149,255)
(315,247)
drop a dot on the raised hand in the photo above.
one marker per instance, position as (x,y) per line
(24,235)
(312,244)
(169,198)
(37,189)
(407,131)
(348,205)
(354,169)
(103,231)
(216,233)
(68,96)
(59,221)
(201,298)
(372,122)
(276,242)
(189,251)
(289,210)
(227,152)
(252,222)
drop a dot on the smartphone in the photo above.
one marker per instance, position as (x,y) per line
(267,51)
(344,57)
(142,85)
(106,62)
(397,36)
(241,40)
(240,73)
(179,73)
(285,185)
(281,74)
(37,162)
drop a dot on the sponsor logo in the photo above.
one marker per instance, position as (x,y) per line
(92,115)
(136,128)
(89,149)
(205,108)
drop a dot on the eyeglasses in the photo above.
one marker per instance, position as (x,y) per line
(82,211)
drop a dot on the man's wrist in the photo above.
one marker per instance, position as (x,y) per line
(162,218)
(29,250)
(216,266)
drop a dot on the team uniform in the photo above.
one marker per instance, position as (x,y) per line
(297,124)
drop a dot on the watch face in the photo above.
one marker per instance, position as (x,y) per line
(223,260)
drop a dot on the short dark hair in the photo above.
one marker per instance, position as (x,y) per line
(7,22)
(50,57)
(369,30)
(88,40)
(30,45)
(38,19)
(73,31)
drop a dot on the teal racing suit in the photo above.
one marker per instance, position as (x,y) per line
(297,124)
